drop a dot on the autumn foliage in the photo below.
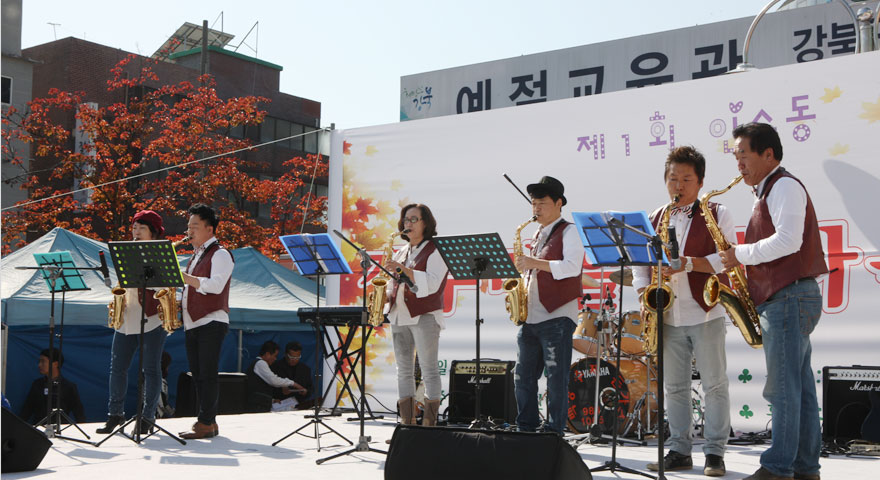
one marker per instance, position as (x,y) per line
(162,149)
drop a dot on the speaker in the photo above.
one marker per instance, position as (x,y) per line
(233,394)
(845,400)
(480,454)
(23,445)
(497,398)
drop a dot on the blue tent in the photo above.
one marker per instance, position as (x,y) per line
(264,298)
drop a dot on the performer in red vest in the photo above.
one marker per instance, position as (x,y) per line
(783,256)
(416,317)
(552,272)
(690,327)
(205,307)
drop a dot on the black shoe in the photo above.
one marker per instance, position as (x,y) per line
(145,427)
(673,461)
(113,421)
(714,466)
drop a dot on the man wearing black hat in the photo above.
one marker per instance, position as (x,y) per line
(552,272)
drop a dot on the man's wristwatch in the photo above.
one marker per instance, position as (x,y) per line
(689,265)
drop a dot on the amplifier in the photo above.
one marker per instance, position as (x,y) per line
(497,399)
(845,401)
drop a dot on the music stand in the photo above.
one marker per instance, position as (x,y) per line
(622,239)
(61,275)
(142,264)
(478,257)
(315,254)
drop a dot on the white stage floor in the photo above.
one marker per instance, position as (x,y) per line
(244,447)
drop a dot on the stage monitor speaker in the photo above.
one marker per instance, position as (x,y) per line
(497,399)
(465,454)
(23,445)
(845,400)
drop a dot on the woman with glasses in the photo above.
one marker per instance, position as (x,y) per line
(416,314)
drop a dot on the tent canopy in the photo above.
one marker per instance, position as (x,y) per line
(263,294)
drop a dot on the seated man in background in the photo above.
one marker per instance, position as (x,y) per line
(292,368)
(65,393)
(261,381)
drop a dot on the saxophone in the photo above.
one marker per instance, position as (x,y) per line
(169,308)
(376,299)
(649,296)
(116,308)
(736,300)
(517,300)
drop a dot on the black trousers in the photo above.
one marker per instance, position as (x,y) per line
(203,352)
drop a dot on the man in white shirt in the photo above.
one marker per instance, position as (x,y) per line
(783,256)
(691,328)
(205,307)
(261,381)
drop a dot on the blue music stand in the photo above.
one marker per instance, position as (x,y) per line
(315,254)
(624,239)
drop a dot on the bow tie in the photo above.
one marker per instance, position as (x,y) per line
(685,210)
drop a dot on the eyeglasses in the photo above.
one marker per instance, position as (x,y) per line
(411,220)
(294,357)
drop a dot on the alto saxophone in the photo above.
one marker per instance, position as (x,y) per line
(377,297)
(517,300)
(116,308)
(736,300)
(169,308)
(649,297)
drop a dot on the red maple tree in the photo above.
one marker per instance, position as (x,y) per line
(162,149)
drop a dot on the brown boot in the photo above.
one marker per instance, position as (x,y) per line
(406,409)
(432,408)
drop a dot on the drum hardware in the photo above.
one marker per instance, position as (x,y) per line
(640,408)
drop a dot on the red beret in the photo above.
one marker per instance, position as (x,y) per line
(151,218)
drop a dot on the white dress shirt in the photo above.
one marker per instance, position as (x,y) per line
(787,203)
(221,270)
(131,323)
(569,266)
(261,368)
(427,283)
(685,310)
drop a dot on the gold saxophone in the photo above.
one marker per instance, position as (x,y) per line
(169,307)
(116,307)
(377,297)
(736,300)
(517,300)
(649,296)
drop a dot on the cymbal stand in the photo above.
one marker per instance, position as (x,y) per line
(635,416)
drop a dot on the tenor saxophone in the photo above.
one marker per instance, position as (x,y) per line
(517,300)
(658,281)
(169,308)
(377,297)
(735,299)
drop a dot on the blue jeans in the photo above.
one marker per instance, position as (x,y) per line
(705,342)
(203,353)
(121,355)
(546,344)
(787,319)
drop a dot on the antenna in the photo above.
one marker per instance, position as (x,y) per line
(53,29)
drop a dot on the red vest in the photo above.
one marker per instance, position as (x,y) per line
(200,304)
(551,292)
(152,307)
(420,306)
(699,243)
(768,278)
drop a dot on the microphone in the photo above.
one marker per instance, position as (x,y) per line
(104,270)
(402,278)
(674,260)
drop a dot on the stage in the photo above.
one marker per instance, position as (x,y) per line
(244,447)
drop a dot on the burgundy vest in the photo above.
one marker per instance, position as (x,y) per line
(551,292)
(768,278)
(420,306)
(699,243)
(152,306)
(200,304)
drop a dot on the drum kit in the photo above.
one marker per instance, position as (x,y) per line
(592,406)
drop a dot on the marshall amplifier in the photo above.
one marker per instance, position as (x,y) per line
(845,400)
(497,399)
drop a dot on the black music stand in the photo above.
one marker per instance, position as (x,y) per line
(315,254)
(480,256)
(624,239)
(142,264)
(61,275)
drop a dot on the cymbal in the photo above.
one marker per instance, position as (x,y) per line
(627,277)
(589,281)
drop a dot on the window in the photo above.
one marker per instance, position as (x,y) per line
(267,130)
(282,130)
(311,140)
(296,143)
(7,90)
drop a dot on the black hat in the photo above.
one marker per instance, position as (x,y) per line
(547,185)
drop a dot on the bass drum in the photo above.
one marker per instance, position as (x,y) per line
(631,381)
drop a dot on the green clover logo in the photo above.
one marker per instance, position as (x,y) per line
(745,376)
(746,412)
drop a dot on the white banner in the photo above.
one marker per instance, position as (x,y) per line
(609,151)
